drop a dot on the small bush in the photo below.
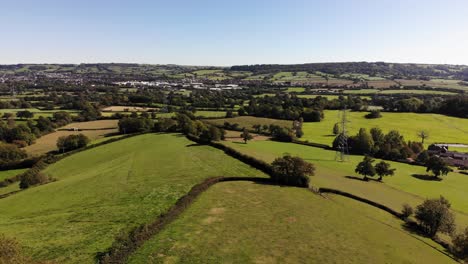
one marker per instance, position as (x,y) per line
(460,245)
(10,251)
(33,177)
(407,211)
(374,114)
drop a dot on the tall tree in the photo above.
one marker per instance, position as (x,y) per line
(383,169)
(423,134)
(365,167)
(437,166)
(246,136)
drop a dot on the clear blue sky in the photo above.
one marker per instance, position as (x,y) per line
(217,32)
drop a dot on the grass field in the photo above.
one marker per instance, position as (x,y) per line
(103,191)
(241,222)
(128,108)
(397,190)
(443,129)
(249,121)
(37,112)
(99,124)
(10,173)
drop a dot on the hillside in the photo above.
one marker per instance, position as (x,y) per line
(107,190)
(253,223)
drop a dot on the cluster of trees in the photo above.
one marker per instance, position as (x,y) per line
(11,153)
(291,107)
(25,134)
(184,122)
(293,171)
(454,106)
(72,142)
(367,168)
(390,146)
(434,216)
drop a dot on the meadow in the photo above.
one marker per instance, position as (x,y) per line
(243,222)
(106,190)
(404,187)
(441,129)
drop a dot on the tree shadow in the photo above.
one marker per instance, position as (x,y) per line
(330,135)
(425,177)
(238,142)
(362,179)
(194,145)
(357,178)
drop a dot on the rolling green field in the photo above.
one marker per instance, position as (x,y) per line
(442,129)
(394,192)
(106,190)
(37,112)
(241,222)
(249,121)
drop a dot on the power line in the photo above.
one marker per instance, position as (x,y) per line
(342,152)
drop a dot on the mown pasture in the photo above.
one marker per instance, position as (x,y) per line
(243,222)
(106,190)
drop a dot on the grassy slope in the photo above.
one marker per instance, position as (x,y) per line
(251,223)
(109,189)
(397,190)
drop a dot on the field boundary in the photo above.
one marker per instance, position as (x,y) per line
(363,200)
(125,245)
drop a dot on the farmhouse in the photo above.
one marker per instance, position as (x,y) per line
(452,158)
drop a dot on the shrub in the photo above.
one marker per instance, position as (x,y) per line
(71,142)
(31,178)
(10,152)
(434,216)
(134,125)
(10,251)
(460,245)
(293,171)
(374,114)
(407,211)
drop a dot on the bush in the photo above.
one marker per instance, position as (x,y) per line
(71,142)
(134,125)
(434,216)
(374,114)
(10,153)
(31,178)
(10,251)
(293,171)
(407,211)
(460,245)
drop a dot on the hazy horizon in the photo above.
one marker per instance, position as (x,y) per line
(213,33)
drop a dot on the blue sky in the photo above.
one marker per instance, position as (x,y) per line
(208,32)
